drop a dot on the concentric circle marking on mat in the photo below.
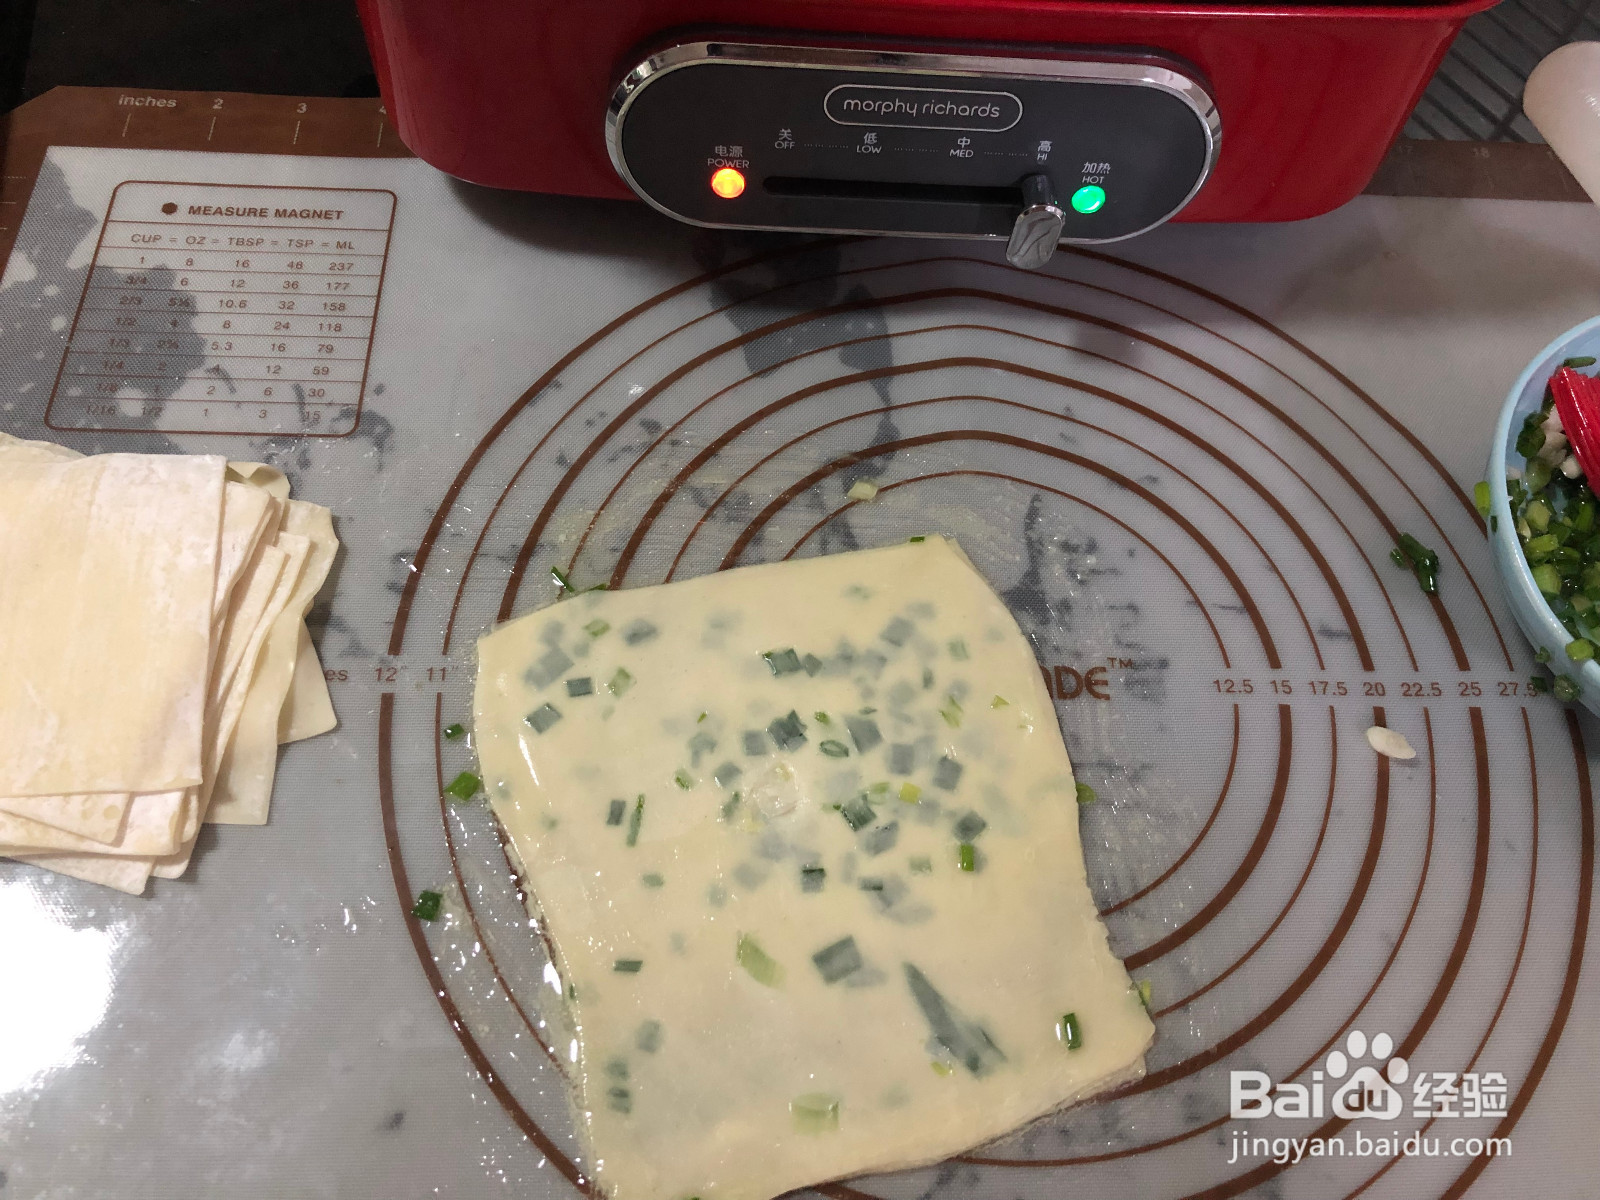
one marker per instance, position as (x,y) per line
(1181,365)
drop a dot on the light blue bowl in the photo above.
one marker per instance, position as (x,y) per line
(1527,603)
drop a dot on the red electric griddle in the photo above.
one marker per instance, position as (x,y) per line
(1033,121)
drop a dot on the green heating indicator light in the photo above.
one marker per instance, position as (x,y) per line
(1089,198)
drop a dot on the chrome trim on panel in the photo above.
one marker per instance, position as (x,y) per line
(1127,71)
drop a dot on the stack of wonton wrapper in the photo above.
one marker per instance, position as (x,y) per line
(153,653)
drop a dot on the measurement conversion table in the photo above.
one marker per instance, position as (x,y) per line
(212,308)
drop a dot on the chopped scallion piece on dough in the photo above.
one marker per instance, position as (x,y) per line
(760,966)
(1070,1032)
(628,966)
(815,1112)
(427,906)
(635,822)
(1086,794)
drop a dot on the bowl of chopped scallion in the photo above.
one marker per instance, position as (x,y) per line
(1544,517)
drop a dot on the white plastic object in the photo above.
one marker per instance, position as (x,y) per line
(1562,100)
(1389,743)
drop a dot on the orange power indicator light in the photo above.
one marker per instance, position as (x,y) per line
(727,183)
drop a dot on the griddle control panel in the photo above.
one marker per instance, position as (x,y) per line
(1031,151)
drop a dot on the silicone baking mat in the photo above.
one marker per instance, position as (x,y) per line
(1182,461)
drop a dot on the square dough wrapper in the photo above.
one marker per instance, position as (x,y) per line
(749,1026)
(243,790)
(107,633)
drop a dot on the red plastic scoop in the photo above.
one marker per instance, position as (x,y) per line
(1578,404)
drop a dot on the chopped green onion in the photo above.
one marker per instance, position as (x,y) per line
(1541,655)
(857,812)
(1537,514)
(1531,438)
(910,792)
(922,865)
(999,702)
(648,1037)
(1538,685)
(639,631)
(597,627)
(968,857)
(1565,687)
(811,663)
(627,966)
(968,1042)
(1070,1032)
(683,779)
(946,774)
(898,631)
(782,662)
(864,732)
(1086,794)
(1144,994)
(880,839)
(1580,649)
(822,717)
(1422,562)
(726,774)
(427,906)
(583,685)
(902,758)
(635,821)
(1548,579)
(550,667)
(1480,497)
(620,682)
(615,813)
(941,1068)
(958,649)
(812,878)
(951,712)
(730,806)
(789,732)
(880,788)
(701,718)
(836,961)
(652,880)
(1538,474)
(834,749)
(454,733)
(619,1099)
(464,786)
(969,827)
(562,582)
(755,741)
(757,963)
(1581,360)
(815,1112)
(543,717)
(917,538)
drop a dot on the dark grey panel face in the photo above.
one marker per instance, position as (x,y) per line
(911,151)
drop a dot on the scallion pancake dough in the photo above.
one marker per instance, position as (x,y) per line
(746,805)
